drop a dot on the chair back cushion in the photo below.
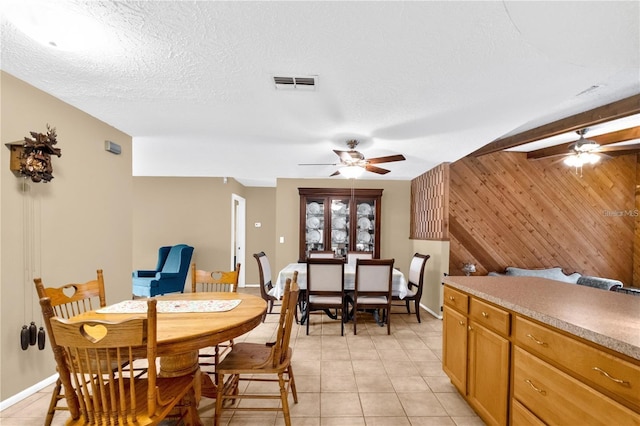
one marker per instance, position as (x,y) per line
(371,276)
(416,268)
(325,275)
(265,278)
(163,252)
(353,256)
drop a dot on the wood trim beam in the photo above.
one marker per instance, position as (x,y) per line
(604,139)
(619,109)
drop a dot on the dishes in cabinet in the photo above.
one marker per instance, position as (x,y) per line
(338,236)
(313,207)
(339,208)
(364,237)
(364,223)
(313,222)
(313,237)
(339,222)
(364,208)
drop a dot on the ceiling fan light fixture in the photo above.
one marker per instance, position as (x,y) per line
(351,172)
(582,158)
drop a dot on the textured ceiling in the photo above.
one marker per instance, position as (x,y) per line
(192,82)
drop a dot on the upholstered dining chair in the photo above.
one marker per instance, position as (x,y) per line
(260,363)
(170,273)
(325,288)
(100,358)
(373,288)
(352,256)
(67,301)
(414,284)
(321,254)
(214,281)
(264,269)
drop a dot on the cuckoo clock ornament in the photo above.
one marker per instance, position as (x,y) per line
(35,159)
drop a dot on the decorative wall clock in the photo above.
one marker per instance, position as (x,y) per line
(33,158)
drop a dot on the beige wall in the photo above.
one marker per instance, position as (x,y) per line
(261,207)
(190,210)
(61,231)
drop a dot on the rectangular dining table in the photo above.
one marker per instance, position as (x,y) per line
(398,282)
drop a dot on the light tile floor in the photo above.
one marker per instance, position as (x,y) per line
(367,379)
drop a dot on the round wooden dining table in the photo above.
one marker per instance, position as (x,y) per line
(180,335)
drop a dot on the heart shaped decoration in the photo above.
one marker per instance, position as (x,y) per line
(216,275)
(69,290)
(93,333)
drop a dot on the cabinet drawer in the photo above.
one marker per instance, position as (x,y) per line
(456,299)
(557,398)
(598,368)
(490,316)
(521,416)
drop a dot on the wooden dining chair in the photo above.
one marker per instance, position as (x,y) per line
(66,302)
(373,288)
(265,281)
(214,281)
(414,283)
(325,288)
(261,362)
(100,358)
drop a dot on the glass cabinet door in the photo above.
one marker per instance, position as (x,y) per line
(339,220)
(365,234)
(340,210)
(314,221)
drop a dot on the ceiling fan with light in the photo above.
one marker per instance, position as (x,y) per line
(583,151)
(353,163)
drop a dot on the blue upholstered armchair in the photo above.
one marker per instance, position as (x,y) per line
(170,273)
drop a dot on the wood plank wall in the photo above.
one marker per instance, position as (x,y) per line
(505,210)
(430,205)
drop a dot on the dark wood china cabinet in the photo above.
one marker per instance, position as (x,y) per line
(340,220)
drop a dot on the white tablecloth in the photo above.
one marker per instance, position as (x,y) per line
(398,281)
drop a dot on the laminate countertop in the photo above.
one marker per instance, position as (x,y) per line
(607,318)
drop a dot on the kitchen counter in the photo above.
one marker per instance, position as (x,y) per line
(607,318)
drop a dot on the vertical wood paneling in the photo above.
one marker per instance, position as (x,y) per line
(430,205)
(505,210)
(636,244)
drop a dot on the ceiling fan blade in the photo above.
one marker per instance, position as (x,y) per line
(336,173)
(375,169)
(387,159)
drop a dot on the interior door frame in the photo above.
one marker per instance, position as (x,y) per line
(238,235)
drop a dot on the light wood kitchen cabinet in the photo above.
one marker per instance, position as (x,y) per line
(454,347)
(476,355)
(535,361)
(488,386)
(339,220)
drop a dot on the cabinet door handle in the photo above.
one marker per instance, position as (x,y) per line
(452,298)
(608,376)
(484,314)
(541,343)
(540,391)
(461,322)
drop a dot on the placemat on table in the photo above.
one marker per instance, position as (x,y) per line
(170,306)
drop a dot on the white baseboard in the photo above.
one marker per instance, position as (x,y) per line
(27,392)
(439,316)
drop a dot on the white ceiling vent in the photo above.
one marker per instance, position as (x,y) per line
(307,83)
